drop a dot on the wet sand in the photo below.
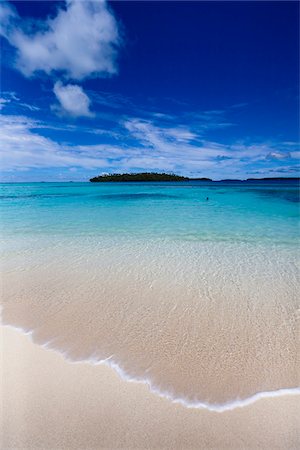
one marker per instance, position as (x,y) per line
(49,403)
(200,322)
(212,327)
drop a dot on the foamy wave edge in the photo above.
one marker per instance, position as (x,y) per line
(191,404)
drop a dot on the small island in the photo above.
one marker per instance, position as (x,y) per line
(162,176)
(143,176)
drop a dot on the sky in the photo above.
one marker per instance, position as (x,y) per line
(202,89)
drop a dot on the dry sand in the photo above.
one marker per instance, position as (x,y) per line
(50,403)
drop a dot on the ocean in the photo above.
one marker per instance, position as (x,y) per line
(190,287)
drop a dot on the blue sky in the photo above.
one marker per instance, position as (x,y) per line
(197,88)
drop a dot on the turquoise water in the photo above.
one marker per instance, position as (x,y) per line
(220,211)
(191,288)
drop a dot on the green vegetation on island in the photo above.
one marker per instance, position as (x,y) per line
(144,176)
(156,176)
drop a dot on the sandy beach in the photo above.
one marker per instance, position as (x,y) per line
(199,331)
(149,225)
(215,357)
(49,403)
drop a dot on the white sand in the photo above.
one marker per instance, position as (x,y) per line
(49,403)
(201,321)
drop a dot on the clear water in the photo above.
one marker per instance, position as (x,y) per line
(261,211)
(190,287)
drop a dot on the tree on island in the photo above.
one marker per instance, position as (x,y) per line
(144,176)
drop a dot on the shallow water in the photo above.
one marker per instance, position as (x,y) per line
(239,211)
(197,297)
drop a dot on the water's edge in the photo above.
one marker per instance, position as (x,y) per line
(195,404)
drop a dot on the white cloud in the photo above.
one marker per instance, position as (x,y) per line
(23,148)
(7,16)
(12,99)
(278,155)
(7,96)
(72,100)
(141,146)
(3,102)
(81,41)
(179,143)
(296,155)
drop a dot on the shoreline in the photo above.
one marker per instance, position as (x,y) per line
(123,329)
(124,376)
(183,339)
(78,405)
